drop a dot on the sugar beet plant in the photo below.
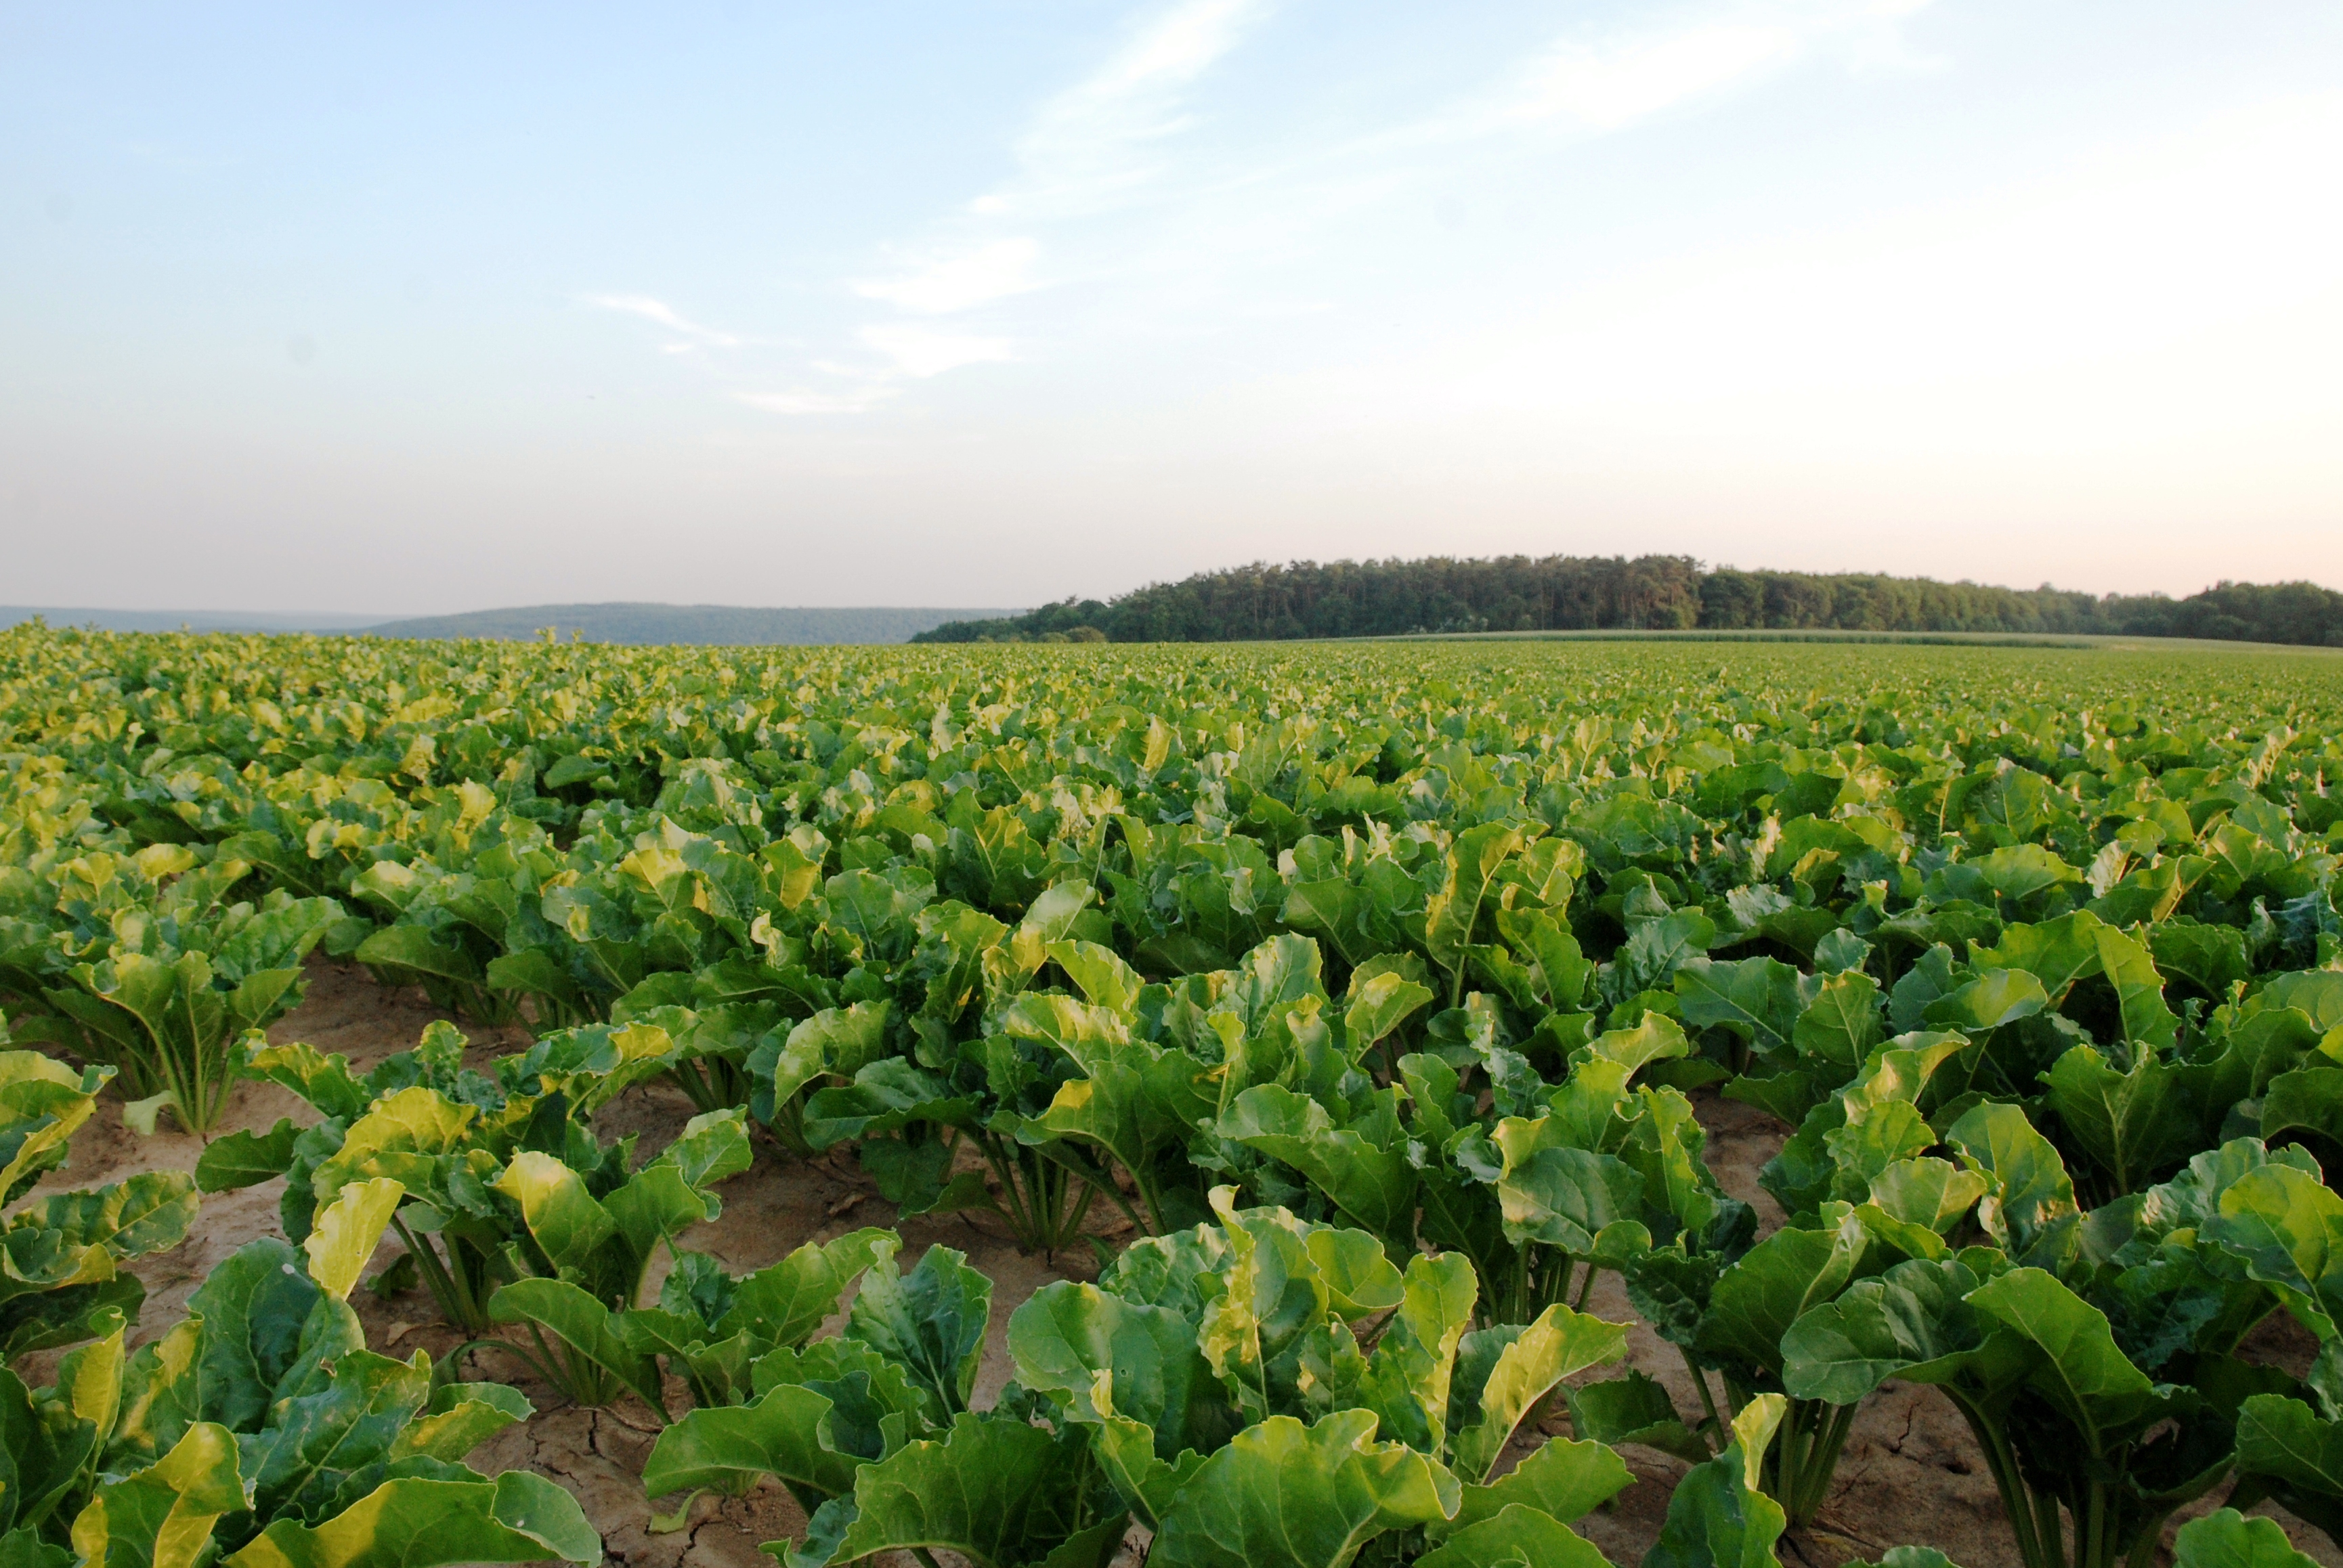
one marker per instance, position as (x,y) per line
(62,1278)
(511,1210)
(260,1431)
(152,968)
(1209,1372)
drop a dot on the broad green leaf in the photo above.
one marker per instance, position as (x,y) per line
(1755,998)
(25,1549)
(1928,1193)
(562,1214)
(1912,1321)
(144,1213)
(2085,1374)
(323,1080)
(295,1463)
(1566,1198)
(411,948)
(1076,1343)
(931,1321)
(2139,989)
(42,1102)
(1407,1376)
(1467,889)
(1994,998)
(784,1432)
(585,1326)
(1563,1478)
(2210,958)
(1375,1187)
(874,1404)
(1769,1288)
(2288,1448)
(1003,1493)
(1355,1270)
(1285,1495)
(1634,1408)
(2287,1225)
(2056,953)
(886,1096)
(1842,1023)
(162,1516)
(401,1136)
(1106,982)
(44,1460)
(711,1147)
(785,1302)
(839,1040)
(2133,1125)
(1561,1343)
(2027,1189)
(457,1418)
(1271,1294)
(1515,1536)
(347,1232)
(267,1330)
(2225,1538)
(415,1523)
(1717,1517)
(1381,1005)
(243,1158)
(2306,1100)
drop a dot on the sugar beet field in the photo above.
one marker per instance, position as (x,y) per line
(1470,1105)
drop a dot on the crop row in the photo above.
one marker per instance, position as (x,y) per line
(1373,997)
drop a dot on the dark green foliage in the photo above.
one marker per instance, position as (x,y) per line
(1649,593)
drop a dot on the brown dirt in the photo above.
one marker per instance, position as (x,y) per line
(1911,1476)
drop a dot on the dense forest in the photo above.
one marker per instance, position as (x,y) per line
(1578,593)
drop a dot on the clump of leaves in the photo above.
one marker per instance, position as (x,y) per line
(481,1157)
(61,1279)
(177,986)
(260,1429)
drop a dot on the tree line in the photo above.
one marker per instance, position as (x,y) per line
(1646,593)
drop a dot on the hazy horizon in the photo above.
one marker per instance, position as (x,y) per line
(421,312)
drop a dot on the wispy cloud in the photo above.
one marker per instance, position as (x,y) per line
(1607,82)
(957,282)
(922,351)
(1604,88)
(664,315)
(1093,143)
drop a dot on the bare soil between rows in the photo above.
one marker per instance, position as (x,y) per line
(1912,1473)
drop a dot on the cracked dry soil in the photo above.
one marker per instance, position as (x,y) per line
(1911,1474)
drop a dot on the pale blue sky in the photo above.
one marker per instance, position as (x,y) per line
(434,307)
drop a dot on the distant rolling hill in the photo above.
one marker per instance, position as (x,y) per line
(672,623)
(178,619)
(631,623)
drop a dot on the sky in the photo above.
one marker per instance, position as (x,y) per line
(434,307)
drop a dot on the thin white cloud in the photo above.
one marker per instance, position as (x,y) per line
(951,283)
(1605,88)
(858,401)
(1085,146)
(923,351)
(1603,84)
(664,314)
